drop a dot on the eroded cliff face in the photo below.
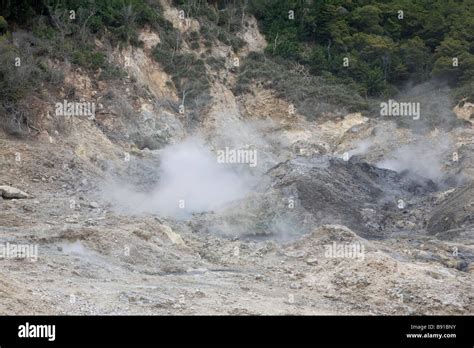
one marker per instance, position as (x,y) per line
(249,234)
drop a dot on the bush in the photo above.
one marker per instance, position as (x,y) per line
(216,23)
(311,95)
(188,72)
(16,82)
(111,72)
(216,63)
(464,92)
(88,59)
(3,25)
(411,50)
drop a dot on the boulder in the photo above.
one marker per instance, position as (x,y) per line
(9,192)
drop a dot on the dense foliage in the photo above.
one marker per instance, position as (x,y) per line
(385,47)
(34,33)
(352,50)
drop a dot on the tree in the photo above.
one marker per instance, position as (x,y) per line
(367,19)
(448,55)
(416,58)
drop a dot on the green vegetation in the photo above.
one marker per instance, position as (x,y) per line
(311,95)
(385,47)
(22,71)
(187,70)
(219,21)
(320,53)
(3,25)
(62,30)
(120,17)
(71,26)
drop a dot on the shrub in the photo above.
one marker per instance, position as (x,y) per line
(311,95)
(16,82)
(464,92)
(216,63)
(88,59)
(3,25)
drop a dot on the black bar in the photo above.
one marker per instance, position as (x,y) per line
(291,331)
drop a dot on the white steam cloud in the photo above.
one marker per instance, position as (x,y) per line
(424,158)
(191,181)
(361,147)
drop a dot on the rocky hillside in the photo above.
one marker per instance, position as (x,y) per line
(172,166)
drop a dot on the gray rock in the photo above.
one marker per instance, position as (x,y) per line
(455,212)
(10,192)
(335,191)
(312,261)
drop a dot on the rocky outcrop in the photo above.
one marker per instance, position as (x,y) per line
(336,191)
(454,214)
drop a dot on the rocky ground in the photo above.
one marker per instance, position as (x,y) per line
(92,260)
